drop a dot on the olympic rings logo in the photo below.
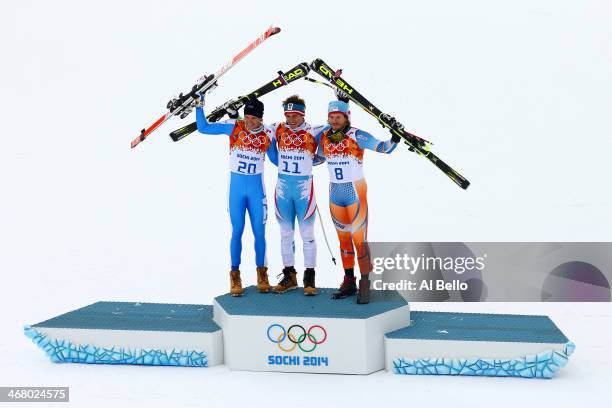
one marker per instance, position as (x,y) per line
(292,139)
(279,335)
(338,147)
(248,139)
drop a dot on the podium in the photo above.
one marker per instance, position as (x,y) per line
(291,332)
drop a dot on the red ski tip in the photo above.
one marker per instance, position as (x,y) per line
(139,139)
(275,30)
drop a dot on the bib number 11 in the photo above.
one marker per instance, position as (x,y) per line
(286,169)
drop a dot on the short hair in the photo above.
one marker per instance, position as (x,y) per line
(294,99)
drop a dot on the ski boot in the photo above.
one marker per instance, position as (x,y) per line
(288,282)
(309,282)
(347,288)
(363,296)
(236,284)
(263,286)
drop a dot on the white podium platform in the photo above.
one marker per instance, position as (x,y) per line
(294,333)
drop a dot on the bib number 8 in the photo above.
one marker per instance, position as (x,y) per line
(339,174)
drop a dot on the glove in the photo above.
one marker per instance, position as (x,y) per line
(341,95)
(200,100)
(394,137)
(232,111)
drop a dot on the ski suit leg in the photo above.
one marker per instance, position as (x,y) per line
(237,204)
(349,208)
(306,206)
(359,228)
(342,204)
(285,215)
(257,207)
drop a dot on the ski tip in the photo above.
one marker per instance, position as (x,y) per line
(139,139)
(275,30)
(461,182)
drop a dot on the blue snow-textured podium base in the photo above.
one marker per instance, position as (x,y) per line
(294,333)
(132,333)
(543,365)
(476,344)
(63,351)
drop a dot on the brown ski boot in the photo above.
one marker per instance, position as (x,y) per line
(309,282)
(288,282)
(235,284)
(263,285)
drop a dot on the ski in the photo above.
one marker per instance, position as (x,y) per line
(416,143)
(183,104)
(297,72)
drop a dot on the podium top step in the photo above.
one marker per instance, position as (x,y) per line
(480,327)
(137,316)
(295,304)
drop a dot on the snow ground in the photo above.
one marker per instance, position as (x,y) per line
(515,95)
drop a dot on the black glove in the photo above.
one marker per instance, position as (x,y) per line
(394,137)
(394,123)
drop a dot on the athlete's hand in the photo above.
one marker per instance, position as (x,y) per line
(394,137)
(341,95)
(200,100)
(232,111)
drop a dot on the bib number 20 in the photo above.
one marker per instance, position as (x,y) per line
(250,167)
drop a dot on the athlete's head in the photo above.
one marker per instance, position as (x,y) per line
(253,114)
(338,115)
(295,109)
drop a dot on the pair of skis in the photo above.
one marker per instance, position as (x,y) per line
(183,104)
(416,143)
